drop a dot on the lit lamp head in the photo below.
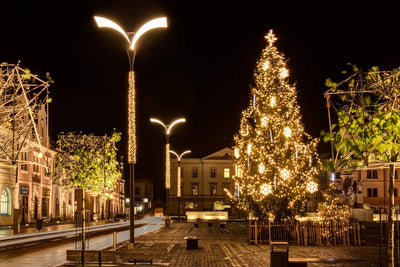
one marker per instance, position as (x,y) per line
(152,24)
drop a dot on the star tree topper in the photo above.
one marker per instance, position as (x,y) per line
(270,38)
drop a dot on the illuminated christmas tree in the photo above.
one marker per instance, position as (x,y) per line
(275,159)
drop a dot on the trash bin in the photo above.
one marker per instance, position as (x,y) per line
(192,242)
(39,224)
(279,254)
(167,221)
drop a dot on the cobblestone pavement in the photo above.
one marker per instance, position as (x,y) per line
(228,246)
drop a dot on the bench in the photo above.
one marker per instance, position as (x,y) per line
(142,255)
(98,256)
(302,262)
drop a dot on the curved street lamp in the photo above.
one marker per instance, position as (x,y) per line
(168,129)
(178,189)
(152,24)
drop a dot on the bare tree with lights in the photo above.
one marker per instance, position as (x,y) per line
(275,159)
(23,96)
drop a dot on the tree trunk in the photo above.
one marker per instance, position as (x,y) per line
(390,247)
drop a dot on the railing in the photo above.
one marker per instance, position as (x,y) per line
(305,233)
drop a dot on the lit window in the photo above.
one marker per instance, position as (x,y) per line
(5,206)
(227,172)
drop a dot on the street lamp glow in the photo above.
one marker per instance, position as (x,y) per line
(106,23)
(152,24)
(168,129)
(155,23)
(178,180)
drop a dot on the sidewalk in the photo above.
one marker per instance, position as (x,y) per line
(228,246)
(6,231)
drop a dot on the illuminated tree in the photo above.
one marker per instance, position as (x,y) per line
(331,210)
(275,159)
(90,162)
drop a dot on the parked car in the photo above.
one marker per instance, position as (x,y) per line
(120,217)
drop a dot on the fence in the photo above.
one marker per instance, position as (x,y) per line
(305,233)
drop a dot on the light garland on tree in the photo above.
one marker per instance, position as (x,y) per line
(276,158)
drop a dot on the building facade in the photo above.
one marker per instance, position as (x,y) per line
(203,181)
(32,188)
(368,186)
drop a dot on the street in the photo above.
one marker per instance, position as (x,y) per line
(53,253)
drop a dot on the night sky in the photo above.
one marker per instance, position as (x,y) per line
(199,68)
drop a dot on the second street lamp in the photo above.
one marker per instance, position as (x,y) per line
(178,180)
(168,129)
(152,24)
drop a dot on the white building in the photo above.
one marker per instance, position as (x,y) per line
(203,181)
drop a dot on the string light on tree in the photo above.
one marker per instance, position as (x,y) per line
(276,157)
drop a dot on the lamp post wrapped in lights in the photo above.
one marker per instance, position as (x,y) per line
(168,129)
(178,182)
(152,24)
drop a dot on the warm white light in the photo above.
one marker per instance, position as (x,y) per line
(312,187)
(236,152)
(131,119)
(103,22)
(287,132)
(283,73)
(181,155)
(265,65)
(152,24)
(167,168)
(178,192)
(178,186)
(264,121)
(285,174)
(261,168)
(272,101)
(265,189)
(168,128)
(270,37)
(249,149)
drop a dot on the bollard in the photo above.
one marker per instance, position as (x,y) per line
(115,241)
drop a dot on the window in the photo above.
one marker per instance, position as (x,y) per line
(372,192)
(195,189)
(181,172)
(137,191)
(36,164)
(372,174)
(194,172)
(213,189)
(213,172)
(227,172)
(395,192)
(395,174)
(5,204)
(24,158)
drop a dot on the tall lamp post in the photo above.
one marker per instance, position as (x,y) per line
(168,129)
(178,182)
(152,24)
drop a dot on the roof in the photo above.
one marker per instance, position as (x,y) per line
(225,153)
